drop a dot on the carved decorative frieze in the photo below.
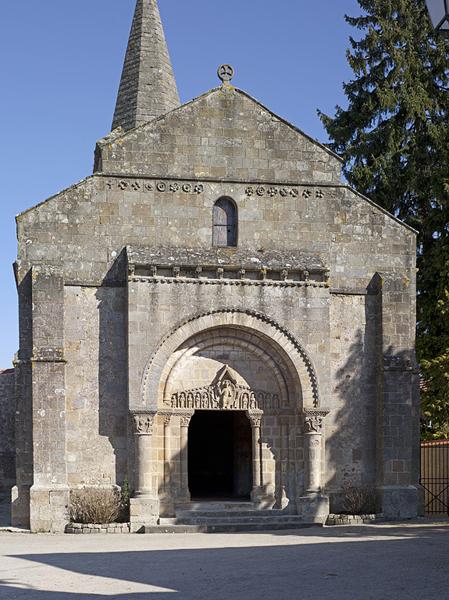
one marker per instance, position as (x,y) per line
(192,187)
(143,423)
(220,280)
(225,394)
(283,191)
(135,185)
(230,397)
(212,275)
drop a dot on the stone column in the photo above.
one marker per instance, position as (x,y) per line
(283,500)
(184,494)
(313,425)
(145,503)
(255,418)
(314,505)
(167,504)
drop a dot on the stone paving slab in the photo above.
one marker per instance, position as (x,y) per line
(381,562)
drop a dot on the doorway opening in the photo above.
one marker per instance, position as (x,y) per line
(220,455)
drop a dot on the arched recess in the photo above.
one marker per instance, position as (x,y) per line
(274,335)
(225,223)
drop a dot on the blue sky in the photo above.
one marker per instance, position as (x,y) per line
(60,62)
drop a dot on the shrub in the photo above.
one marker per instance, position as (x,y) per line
(125,496)
(95,505)
(359,500)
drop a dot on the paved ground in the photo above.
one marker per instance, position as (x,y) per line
(364,563)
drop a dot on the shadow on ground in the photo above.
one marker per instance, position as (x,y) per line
(369,563)
(5,510)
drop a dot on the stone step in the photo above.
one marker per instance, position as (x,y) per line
(274,525)
(218,506)
(236,520)
(181,514)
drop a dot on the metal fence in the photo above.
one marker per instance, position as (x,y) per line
(435,477)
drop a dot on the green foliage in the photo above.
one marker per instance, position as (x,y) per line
(394,138)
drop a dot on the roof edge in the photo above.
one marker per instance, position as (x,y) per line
(67,189)
(384,210)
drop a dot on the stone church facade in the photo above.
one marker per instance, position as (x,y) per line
(212,314)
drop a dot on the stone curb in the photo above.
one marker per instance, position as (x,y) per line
(93,528)
(345,520)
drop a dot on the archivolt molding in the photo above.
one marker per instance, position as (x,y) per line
(241,338)
(152,385)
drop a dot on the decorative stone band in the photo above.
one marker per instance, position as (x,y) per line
(225,395)
(238,282)
(143,422)
(213,265)
(313,420)
(167,186)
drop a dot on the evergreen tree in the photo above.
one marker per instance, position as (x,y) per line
(394,138)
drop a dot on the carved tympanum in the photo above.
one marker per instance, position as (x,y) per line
(224,394)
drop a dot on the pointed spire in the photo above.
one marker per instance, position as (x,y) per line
(148,87)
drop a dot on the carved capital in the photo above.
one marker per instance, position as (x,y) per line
(143,423)
(166,419)
(313,421)
(255,419)
(185,419)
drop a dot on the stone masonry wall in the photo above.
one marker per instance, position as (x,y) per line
(351,424)
(96,219)
(223,134)
(7,430)
(97,408)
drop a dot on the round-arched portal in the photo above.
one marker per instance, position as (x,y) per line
(230,363)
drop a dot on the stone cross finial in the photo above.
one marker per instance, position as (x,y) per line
(225,73)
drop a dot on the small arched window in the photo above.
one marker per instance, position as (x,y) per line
(225,223)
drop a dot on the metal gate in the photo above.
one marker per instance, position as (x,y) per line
(435,477)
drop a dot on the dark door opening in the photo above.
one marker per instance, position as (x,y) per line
(220,455)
